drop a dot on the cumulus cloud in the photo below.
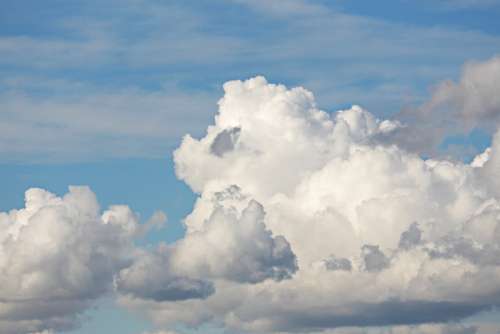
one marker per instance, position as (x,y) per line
(380,235)
(306,221)
(232,244)
(58,255)
(236,246)
(150,277)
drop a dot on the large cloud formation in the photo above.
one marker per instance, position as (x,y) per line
(380,235)
(305,222)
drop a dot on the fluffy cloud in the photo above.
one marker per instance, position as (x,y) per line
(59,254)
(380,235)
(235,246)
(232,244)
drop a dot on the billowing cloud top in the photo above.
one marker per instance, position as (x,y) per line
(381,236)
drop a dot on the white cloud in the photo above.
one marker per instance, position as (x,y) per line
(232,244)
(466,4)
(235,245)
(381,236)
(58,255)
(305,222)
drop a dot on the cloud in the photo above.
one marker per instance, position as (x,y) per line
(114,84)
(235,245)
(381,236)
(455,108)
(57,256)
(411,237)
(85,124)
(232,245)
(150,277)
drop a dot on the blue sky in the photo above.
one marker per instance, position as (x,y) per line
(100,93)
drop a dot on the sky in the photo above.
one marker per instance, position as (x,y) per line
(249,166)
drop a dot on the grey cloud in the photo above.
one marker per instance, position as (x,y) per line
(233,192)
(391,313)
(168,289)
(334,263)
(455,108)
(150,277)
(282,264)
(411,237)
(374,259)
(225,141)
(464,247)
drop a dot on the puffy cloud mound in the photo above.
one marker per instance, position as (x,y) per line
(235,246)
(57,255)
(376,235)
(232,244)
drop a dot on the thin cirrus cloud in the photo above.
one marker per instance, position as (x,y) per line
(96,125)
(92,86)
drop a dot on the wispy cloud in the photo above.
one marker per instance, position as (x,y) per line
(130,80)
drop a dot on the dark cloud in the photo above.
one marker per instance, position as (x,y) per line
(224,142)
